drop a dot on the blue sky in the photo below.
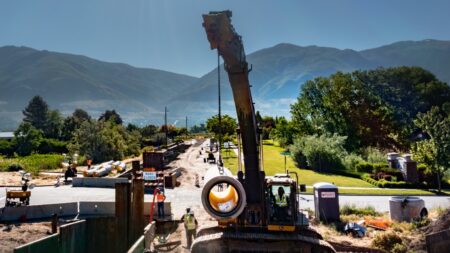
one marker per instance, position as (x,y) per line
(167,34)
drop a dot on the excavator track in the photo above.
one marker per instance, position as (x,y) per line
(243,242)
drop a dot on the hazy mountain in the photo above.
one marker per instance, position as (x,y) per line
(279,71)
(69,81)
(433,55)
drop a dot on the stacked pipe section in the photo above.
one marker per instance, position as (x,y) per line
(105,168)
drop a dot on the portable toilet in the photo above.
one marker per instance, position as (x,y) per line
(326,202)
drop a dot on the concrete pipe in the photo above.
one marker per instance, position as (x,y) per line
(223,196)
(103,171)
(121,167)
(90,172)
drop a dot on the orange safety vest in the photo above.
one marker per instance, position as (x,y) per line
(160,197)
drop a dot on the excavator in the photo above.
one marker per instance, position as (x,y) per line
(250,215)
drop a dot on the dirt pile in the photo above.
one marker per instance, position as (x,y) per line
(14,235)
(442,223)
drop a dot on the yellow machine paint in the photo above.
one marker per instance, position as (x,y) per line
(280,228)
(224,201)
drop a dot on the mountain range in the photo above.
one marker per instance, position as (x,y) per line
(68,81)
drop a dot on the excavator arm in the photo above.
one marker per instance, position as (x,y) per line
(222,36)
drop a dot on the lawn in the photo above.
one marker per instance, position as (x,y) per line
(274,163)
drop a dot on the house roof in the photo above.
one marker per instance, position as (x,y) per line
(6,135)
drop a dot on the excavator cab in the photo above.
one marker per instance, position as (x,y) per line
(282,203)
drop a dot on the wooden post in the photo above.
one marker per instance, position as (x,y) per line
(136,165)
(123,204)
(136,222)
(137,212)
(55,223)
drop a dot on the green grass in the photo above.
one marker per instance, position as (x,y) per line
(375,191)
(381,192)
(274,163)
(33,163)
(352,209)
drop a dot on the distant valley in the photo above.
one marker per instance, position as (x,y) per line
(68,81)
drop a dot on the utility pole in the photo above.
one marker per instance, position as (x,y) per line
(187,131)
(166,129)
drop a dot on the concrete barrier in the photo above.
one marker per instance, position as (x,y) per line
(98,182)
(38,212)
(97,208)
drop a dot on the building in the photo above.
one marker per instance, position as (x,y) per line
(6,136)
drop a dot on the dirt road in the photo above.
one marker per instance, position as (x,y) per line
(192,167)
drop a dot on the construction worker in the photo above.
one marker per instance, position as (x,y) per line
(160,198)
(281,204)
(190,226)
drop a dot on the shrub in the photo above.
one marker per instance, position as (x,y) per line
(298,156)
(352,209)
(364,167)
(14,167)
(399,248)
(52,146)
(387,241)
(33,163)
(375,155)
(427,176)
(382,167)
(350,161)
(323,153)
(7,147)
(382,183)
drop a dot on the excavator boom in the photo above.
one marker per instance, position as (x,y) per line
(222,36)
(247,218)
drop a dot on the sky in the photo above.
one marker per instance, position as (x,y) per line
(168,35)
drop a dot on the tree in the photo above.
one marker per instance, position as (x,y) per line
(81,115)
(195,129)
(434,152)
(132,127)
(148,131)
(27,138)
(284,132)
(54,125)
(73,122)
(322,153)
(102,141)
(112,116)
(259,119)
(268,125)
(228,126)
(373,108)
(36,113)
